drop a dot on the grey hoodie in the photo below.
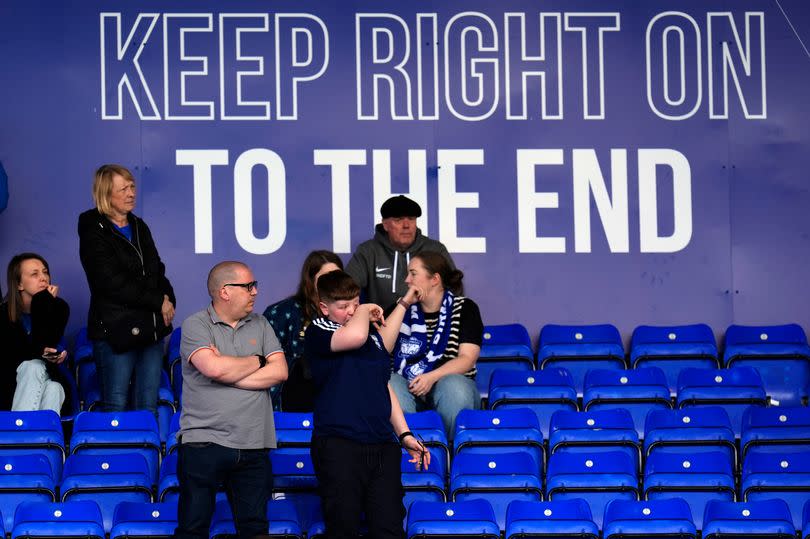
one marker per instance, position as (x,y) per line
(380,269)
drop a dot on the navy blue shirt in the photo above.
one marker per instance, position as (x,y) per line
(351,387)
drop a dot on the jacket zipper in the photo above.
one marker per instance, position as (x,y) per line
(140,257)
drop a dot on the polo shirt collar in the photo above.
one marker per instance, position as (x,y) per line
(215,319)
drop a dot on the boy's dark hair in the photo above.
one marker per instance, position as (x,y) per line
(337,286)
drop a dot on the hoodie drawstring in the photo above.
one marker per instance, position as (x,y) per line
(394,275)
(396,263)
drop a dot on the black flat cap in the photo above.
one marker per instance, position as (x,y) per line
(400,206)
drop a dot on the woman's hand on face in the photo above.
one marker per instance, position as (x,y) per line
(421,385)
(413,295)
(53,289)
(167,310)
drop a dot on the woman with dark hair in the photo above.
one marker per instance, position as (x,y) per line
(290,318)
(32,322)
(438,344)
(131,300)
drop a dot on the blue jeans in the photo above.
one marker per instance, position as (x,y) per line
(448,396)
(202,468)
(115,371)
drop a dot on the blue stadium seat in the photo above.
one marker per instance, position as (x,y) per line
(165,404)
(81,519)
(500,478)
(780,354)
(429,427)
(168,484)
(506,346)
(778,475)
(146,520)
(806,521)
(570,519)
(467,519)
(83,362)
(596,478)
(419,484)
(767,519)
(775,430)
(165,407)
(638,391)
(174,365)
(595,432)
(627,519)
(294,480)
(580,349)
(174,428)
(293,429)
(697,478)
(24,478)
(491,432)
(282,516)
(733,389)
(104,433)
(22,433)
(544,392)
(695,430)
(106,480)
(673,348)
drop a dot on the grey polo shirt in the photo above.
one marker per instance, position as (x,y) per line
(220,413)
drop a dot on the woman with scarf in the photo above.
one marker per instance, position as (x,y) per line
(438,344)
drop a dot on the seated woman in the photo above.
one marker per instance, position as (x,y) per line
(32,322)
(438,344)
(290,318)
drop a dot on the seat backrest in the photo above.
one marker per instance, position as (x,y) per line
(71,519)
(611,463)
(719,384)
(772,341)
(723,519)
(41,431)
(506,334)
(571,341)
(774,429)
(473,517)
(24,478)
(293,429)
(119,469)
(293,471)
(695,340)
(516,418)
(649,518)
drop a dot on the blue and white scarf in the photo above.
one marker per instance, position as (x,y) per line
(414,354)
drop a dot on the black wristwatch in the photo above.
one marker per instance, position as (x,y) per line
(405,435)
(262,360)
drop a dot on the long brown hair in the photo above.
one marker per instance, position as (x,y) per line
(13,278)
(436,263)
(307,294)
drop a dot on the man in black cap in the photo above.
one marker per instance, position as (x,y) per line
(380,265)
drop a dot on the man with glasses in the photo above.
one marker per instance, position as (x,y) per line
(231,357)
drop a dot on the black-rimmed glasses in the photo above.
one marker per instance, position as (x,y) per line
(250,287)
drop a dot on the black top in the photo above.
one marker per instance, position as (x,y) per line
(351,387)
(125,277)
(49,316)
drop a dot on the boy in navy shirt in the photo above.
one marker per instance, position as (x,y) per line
(357,418)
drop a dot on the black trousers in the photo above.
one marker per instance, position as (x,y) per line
(356,479)
(202,468)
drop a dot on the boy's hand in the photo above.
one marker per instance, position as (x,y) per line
(375,313)
(420,456)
